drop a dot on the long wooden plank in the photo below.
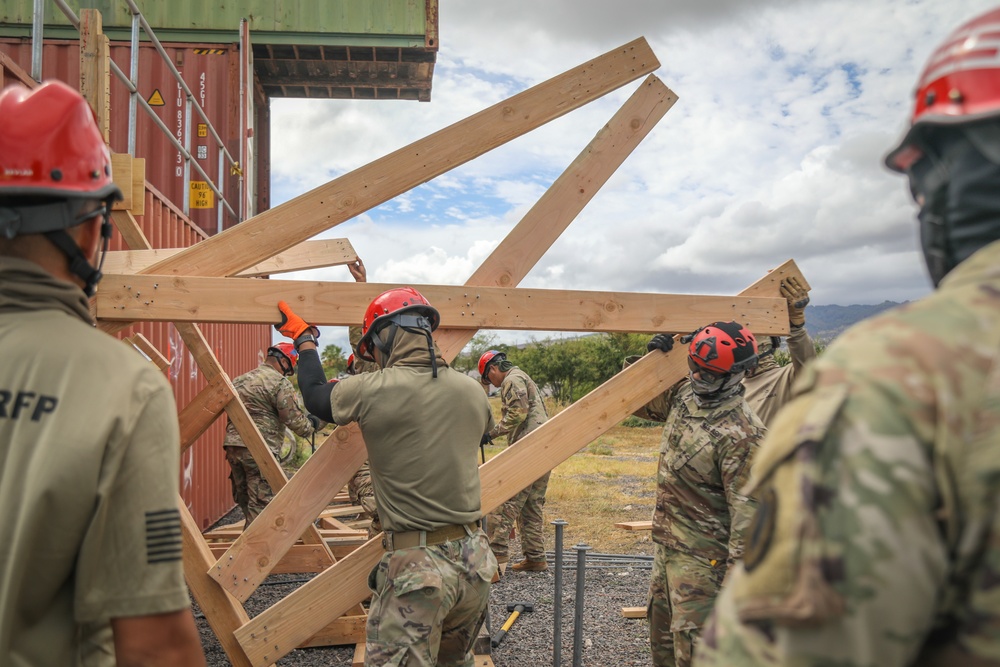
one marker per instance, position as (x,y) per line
(277,528)
(307,255)
(242,421)
(343,198)
(180,299)
(332,592)
(300,558)
(223,613)
(506,266)
(142,344)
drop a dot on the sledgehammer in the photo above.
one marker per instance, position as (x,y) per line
(516,610)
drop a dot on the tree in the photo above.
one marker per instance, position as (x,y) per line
(468,358)
(334,361)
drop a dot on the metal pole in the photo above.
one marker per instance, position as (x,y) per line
(187,156)
(37,36)
(222,188)
(581,567)
(133,102)
(557,606)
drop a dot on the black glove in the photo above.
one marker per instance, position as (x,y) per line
(661,341)
(316,422)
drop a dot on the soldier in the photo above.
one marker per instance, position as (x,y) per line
(769,385)
(273,404)
(422,422)
(701,512)
(877,540)
(90,567)
(522,411)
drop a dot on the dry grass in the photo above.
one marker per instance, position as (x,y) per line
(611,480)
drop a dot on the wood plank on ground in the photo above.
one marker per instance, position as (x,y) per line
(635,525)
(634,612)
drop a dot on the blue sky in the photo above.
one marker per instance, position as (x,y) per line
(773,151)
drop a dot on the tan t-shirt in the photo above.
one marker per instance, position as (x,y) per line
(89,521)
(422,435)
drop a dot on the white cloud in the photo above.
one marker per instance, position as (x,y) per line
(773,150)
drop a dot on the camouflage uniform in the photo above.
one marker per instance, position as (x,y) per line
(360,488)
(273,404)
(422,433)
(877,538)
(523,411)
(770,385)
(701,513)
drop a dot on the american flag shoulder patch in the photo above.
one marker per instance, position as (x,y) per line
(163,536)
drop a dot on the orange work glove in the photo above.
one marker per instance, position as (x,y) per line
(292,325)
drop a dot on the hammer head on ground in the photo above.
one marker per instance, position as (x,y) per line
(524,606)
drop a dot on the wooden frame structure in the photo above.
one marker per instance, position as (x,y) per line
(200,284)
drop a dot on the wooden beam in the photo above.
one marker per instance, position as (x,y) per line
(223,613)
(306,255)
(139,186)
(279,525)
(283,226)
(202,411)
(344,630)
(148,350)
(95,69)
(188,299)
(329,594)
(121,172)
(506,266)
(300,558)
(634,612)
(130,230)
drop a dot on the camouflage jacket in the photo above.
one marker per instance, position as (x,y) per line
(273,404)
(878,537)
(770,386)
(704,466)
(523,408)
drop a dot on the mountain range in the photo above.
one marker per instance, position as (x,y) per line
(826,322)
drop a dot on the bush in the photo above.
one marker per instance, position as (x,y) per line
(637,422)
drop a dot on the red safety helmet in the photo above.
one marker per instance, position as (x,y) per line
(960,83)
(350,364)
(50,145)
(723,348)
(488,357)
(286,355)
(403,306)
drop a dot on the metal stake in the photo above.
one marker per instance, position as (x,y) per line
(557,608)
(581,568)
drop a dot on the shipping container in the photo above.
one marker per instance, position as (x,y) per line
(211,72)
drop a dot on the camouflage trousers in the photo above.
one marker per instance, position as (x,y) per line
(428,603)
(682,590)
(250,490)
(524,510)
(363,493)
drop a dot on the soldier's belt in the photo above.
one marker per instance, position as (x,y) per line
(422,538)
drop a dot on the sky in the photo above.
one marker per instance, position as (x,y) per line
(773,151)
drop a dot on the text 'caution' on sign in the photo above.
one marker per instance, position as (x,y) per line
(202,196)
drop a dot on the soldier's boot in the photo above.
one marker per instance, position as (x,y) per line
(530,566)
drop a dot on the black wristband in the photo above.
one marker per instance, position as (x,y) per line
(305,338)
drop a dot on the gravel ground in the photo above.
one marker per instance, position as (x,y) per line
(607,639)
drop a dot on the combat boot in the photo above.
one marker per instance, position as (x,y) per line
(530,566)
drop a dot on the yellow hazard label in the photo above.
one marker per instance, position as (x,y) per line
(210,52)
(202,130)
(202,196)
(155,100)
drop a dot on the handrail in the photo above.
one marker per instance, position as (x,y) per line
(134,95)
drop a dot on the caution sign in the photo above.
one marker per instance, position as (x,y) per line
(202,196)
(155,100)
(202,129)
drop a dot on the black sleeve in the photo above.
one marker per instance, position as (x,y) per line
(313,385)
